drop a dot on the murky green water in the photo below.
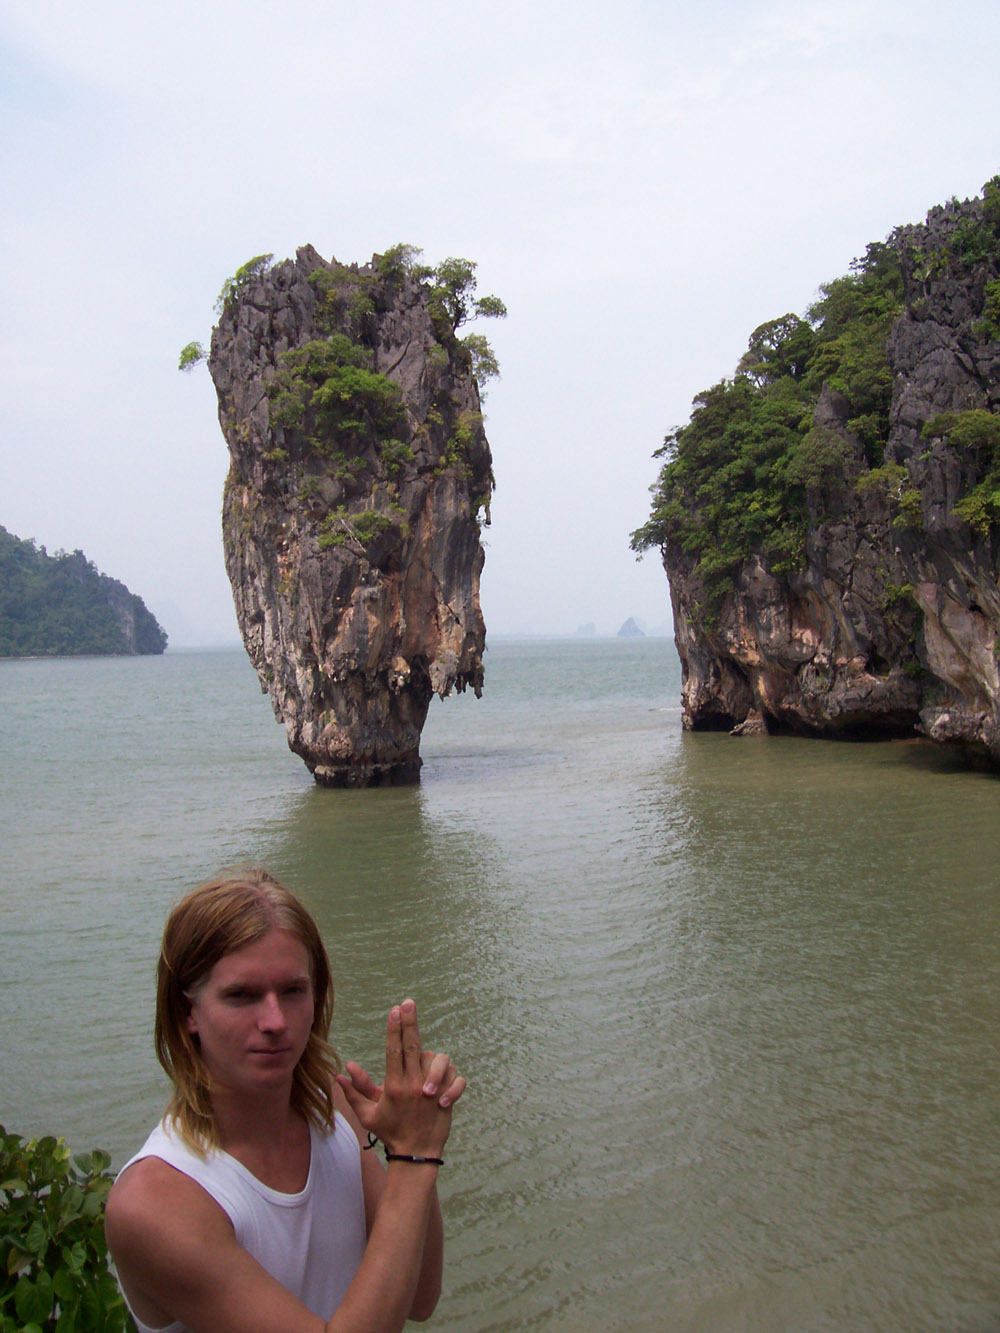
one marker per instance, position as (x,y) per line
(729,1008)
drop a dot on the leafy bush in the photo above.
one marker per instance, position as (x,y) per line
(910,512)
(453,297)
(482,359)
(243,276)
(980,508)
(975,432)
(891,478)
(340,527)
(395,455)
(191,354)
(452,301)
(329,384)
(976,435)
(989,325)
(399,261)
(54,1275)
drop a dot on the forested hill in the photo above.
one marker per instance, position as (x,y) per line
(60,606)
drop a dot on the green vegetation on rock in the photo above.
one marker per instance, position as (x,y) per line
(340,528)
(804,423)
(191,354)
(328,390)
(242,278)
(60,605)
(977,435)
(451,287)
(339,430)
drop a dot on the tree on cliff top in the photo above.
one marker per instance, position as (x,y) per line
(453,302)
(740,476)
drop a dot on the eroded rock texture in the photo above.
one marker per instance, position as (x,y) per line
(891,625)
(360,473)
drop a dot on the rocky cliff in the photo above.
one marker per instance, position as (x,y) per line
(360,474)
(829,519)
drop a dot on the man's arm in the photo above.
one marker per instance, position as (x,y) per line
(178,1258)
(442,1086)
(373,1173)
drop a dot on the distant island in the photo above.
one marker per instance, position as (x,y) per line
(631,630)
(62,606)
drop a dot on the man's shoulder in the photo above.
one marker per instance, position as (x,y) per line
(164,1233)
(160,1185)
(151,1187)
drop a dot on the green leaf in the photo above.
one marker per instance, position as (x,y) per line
(71,1203)
(18,1261)
(64,1285)
(68,1318)
(37,1238)
(92,1204)
(75,1256)
(34,1300)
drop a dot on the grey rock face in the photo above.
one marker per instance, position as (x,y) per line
(891,628)
(351,519)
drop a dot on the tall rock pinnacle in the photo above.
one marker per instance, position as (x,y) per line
(360,474)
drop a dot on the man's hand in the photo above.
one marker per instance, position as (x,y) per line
(411,1111)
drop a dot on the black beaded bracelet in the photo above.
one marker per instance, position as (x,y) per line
(406,1157)
(402,1156)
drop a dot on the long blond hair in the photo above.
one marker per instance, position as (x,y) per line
(213,920)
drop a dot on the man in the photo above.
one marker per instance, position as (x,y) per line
(252,1205)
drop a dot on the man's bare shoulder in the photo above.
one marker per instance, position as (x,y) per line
(171,1242)
(152,1195)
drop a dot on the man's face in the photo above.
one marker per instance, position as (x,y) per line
(253,1013)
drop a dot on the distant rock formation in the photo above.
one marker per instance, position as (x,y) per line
(886,620)
(360,474)
(631,630)
(62,606)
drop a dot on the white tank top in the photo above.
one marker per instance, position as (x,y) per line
(312,1242)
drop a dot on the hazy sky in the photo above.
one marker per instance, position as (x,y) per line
(642,182)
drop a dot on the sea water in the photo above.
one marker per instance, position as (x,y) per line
(728,1008)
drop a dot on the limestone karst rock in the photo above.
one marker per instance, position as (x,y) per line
(885,618)
(360,474)
(631,630)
